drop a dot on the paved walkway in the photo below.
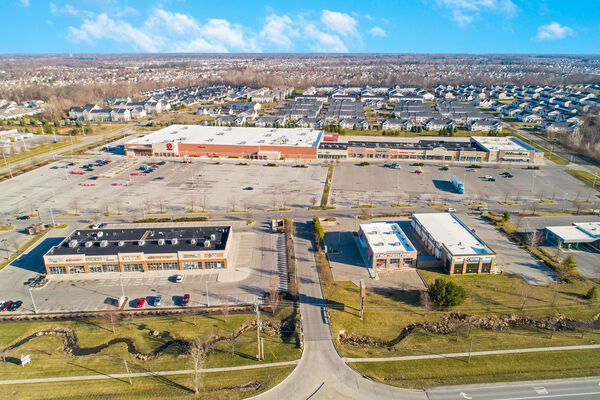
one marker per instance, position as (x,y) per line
(142,374)
(474,353)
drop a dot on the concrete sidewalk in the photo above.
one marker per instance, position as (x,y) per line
(474,353)
(141,374)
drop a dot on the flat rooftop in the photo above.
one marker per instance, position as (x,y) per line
(88,241)
(579,232)
(447,229)
(238,136)
(590,228)
(415,144)
(386,237)
(507,143)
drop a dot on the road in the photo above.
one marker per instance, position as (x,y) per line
(322,373)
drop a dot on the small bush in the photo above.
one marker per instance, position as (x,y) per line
(474,166)
(570,263)
(592,294)
(447,293)
(318,228)
(418,164)
(270,164)
(364,163)
(506,216)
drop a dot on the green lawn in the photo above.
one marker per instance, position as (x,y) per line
(222,385)
(39,150)
(424,374)
(49,358)
(388,312)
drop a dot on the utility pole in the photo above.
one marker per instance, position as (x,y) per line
(207,299)
(32,301)
(128,372)
(7,164)
(258,326)
(52,216)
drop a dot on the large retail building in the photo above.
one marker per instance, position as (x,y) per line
(456,246)
(223,141)
(140,250)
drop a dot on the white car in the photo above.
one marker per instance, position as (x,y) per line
(96,226)
(488,177)
(451,210)
(179,278)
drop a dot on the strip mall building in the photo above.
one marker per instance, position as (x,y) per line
(222,141)
(140,250)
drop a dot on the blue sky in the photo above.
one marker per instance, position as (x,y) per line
(414,26)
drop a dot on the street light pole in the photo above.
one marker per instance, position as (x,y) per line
(32,301)
(52,216)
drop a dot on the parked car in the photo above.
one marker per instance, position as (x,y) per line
(161,162)
(444,168)
(248,188)
(158,178)
(22,217)
(490,179)
(395,166)
(186,300)
(451,210)
(418,171)
(96,226)
(15,305)
(54,167)
(487,177)
(179,278)
(140,302)
(157,300)
(508,175)
(6,305)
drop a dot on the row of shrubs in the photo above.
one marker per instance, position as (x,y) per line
(166,219)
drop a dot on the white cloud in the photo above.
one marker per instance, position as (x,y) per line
(103,27)
(230,35)
(279,30)
(377,32)
(340,23)
(23,3)
(465,11)
(324,42)
(173,23)
(554,31)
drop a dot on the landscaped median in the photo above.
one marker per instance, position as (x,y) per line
(549,154)
(586,177)
(100,347)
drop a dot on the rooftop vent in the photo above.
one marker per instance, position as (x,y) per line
(100,234)
(161,242)
(73,243)
(104,243)
(141,242)
(213,236)
(193,241)
(89,244)
(121,243)
(174,241)
(207,243)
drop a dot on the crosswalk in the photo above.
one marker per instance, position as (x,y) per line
(282,267)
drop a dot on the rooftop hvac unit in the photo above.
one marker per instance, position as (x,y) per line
(104,243)
(141,242)
(100,234)
(73,243)
(212,236)
(174,241)
(207,243)
(89,244)
(161,242)
(121,243)
(193,241)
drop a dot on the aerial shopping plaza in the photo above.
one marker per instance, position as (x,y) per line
(311,144)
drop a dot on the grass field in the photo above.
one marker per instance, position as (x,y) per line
(39,150)
(586,177)
(49,358)
(423,374)
(388,312)
(222,386)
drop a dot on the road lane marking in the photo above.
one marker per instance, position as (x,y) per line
(550,396)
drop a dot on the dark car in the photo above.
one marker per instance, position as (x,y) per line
(491,179)
(23,217)
(248,188)
(508,175)
(161,163)
(186,300)
(504,173)
(158,178)
(93,178)
(15,306)
(140,302)
(6,305)
(444,168)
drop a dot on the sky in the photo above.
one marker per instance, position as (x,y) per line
(254,26)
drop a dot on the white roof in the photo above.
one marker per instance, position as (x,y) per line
(591,228)
(570,234)
(493,143)
(447,229)
(238,136)
(385,237)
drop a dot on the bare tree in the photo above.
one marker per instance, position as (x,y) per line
(224,304)
(332,201)
(75,205)
(118,205)
(274,294)
(191,202)
(425,300)
(524,294)
(313,201)
(541,195)
(198,350)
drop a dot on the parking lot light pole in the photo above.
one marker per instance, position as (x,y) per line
(32,301)
(52,216)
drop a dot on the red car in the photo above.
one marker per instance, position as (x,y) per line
(6,305)
(186,300)
(140,302)
(135,173)
(418,171)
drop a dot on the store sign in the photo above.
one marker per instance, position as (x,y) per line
(74,260)
(397,255)
(130,258)
(93,258)
(160,257)
(170,146)
(191,256)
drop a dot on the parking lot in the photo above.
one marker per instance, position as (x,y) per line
(175,186)
(385,186)
(257,262)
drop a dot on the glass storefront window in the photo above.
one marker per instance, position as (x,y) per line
(57,270)
(76,269)
(214,265)
(191,265)
(133,268)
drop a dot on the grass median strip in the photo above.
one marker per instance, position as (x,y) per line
(586,177)
(549,154)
